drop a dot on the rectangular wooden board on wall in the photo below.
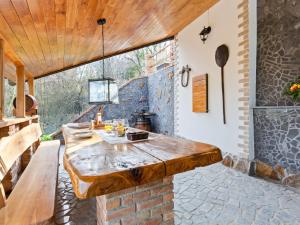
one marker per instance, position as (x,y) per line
(200,93)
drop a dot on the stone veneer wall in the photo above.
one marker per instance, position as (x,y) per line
(161,100)
(154,93)
(133,97)
(277,122)
(277,135)
(278,50)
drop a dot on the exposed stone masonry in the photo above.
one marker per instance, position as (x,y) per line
(278,50)
(154,93)
(277,137)
(133,97)
(161,100)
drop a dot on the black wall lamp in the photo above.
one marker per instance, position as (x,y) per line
(204,33)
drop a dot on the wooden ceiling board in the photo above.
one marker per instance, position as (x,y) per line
(14,22)
(47,36)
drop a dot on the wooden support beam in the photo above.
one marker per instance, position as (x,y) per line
(2,196)
(1,79)
(20,109)
(31,85)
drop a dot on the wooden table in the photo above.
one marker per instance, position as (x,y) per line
(98,168)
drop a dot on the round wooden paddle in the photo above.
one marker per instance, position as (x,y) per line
(222,55)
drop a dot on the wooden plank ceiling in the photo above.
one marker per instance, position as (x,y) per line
(47,36)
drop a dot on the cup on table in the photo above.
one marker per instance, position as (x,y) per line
(108,126)
(92,125)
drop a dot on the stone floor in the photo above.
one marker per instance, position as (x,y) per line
(217,195)
(69,209)
(214,195)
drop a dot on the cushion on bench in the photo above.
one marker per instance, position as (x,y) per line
(32,201)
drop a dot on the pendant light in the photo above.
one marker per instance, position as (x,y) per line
(105,89)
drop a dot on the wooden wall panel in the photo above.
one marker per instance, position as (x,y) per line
(200,93)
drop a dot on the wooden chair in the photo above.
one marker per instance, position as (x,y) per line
(32,200)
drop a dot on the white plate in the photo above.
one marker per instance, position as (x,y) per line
(78,125)
(86,134)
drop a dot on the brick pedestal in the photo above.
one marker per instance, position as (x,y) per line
(142,205)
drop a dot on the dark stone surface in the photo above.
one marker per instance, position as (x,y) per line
(277,137)
(277,132)
(88,115)
(161,101)
(133,97)
(278,50)
(154,93)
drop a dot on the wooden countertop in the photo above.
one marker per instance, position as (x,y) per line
(97,167)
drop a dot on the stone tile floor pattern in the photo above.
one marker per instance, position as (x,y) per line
(214,195)
(69,209)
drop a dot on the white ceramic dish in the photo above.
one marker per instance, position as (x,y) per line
(85,134)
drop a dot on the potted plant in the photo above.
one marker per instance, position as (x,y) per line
(293,89)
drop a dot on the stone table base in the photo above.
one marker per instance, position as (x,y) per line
(146,204)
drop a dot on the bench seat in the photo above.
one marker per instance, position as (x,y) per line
(32,201)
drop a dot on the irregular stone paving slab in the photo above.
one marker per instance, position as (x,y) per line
(69,209)
(217,195)
(214,195)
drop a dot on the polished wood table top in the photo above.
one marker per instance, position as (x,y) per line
(97,167)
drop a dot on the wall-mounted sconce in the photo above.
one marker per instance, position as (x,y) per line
(185,69)
(204,33)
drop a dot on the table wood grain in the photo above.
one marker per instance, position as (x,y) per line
(97,168)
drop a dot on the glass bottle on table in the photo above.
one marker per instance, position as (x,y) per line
(98,119)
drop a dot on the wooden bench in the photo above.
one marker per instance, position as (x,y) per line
(32,200)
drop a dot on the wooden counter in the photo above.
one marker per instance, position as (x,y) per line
(98,168)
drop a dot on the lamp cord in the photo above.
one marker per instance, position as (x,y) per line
(102,51)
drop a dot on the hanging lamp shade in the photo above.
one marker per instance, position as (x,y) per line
(105,89)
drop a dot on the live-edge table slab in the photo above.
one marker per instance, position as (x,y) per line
(98,168)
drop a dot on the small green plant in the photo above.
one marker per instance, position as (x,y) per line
(293,89)
(46,137)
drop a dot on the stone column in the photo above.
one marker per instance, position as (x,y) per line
(146,204)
